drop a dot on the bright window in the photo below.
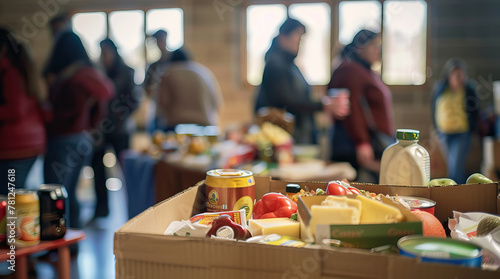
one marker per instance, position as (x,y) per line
(91,28)
(314,53)
(263,22)
(404,35)
(357,15)
(168,20)
(404,42)
(127,30)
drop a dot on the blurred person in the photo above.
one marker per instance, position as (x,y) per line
(59,23)
(22,127)
(119,110)
(153,75)
(283,85)
(362,136)
(189,93)
(455,116)
(79,96)
(155,70)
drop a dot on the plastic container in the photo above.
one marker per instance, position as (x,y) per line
(405,162)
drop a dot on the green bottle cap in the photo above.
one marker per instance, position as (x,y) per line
(407,134)
(292,188)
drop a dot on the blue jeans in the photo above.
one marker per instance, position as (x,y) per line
(66,155)
(21,167)
(455,149)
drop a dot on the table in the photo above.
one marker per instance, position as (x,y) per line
(62,246)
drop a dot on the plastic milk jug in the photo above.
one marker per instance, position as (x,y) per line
(405,162)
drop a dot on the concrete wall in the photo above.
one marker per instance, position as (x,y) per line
(468,29)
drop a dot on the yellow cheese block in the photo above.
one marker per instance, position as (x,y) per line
(342,201)
(335,211)
(281,226)
(377,212)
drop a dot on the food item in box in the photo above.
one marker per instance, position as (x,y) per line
(430,224)
(487,224)
(276,239)
(418,203)
(274,205)
(281,226)
(224,227)
(230,189)
(207,218)
(441,250)
(335,211)
(186,228)
(478,178)
(442,182)
(376,212)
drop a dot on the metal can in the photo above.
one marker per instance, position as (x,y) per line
(441,250)
(230,189)
(27,213)
(418,203)
(52,211)
(3,218)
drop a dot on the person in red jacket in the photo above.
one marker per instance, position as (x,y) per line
(371,118)
(79,96)
(22,131)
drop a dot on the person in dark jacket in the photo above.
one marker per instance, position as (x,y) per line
(371,114)
(79,96)
(120,108)
(455,116)
(22,128)
(283,85)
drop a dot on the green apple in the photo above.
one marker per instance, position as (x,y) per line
(442,182)
(478,178)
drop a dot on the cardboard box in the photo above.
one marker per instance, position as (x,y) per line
(358,236)
(143,252)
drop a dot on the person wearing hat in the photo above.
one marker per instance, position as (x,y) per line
(357,138)
(283,85)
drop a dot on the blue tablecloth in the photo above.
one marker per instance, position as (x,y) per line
(139,180)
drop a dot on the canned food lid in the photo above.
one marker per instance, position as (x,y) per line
(50,187)
(292,188)
(229,173)
(225,232)
(230,178)
(438,248)
(418,202)
(23,191)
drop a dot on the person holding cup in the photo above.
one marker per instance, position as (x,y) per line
(362,136)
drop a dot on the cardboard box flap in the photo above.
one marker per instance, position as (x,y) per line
(156,219)
(464,198)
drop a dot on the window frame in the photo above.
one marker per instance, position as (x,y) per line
(334,40)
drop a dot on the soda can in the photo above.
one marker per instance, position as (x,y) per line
(230,189)
(27,213)
(52,211)
(3,218)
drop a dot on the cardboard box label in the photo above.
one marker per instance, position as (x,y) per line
(366,236)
